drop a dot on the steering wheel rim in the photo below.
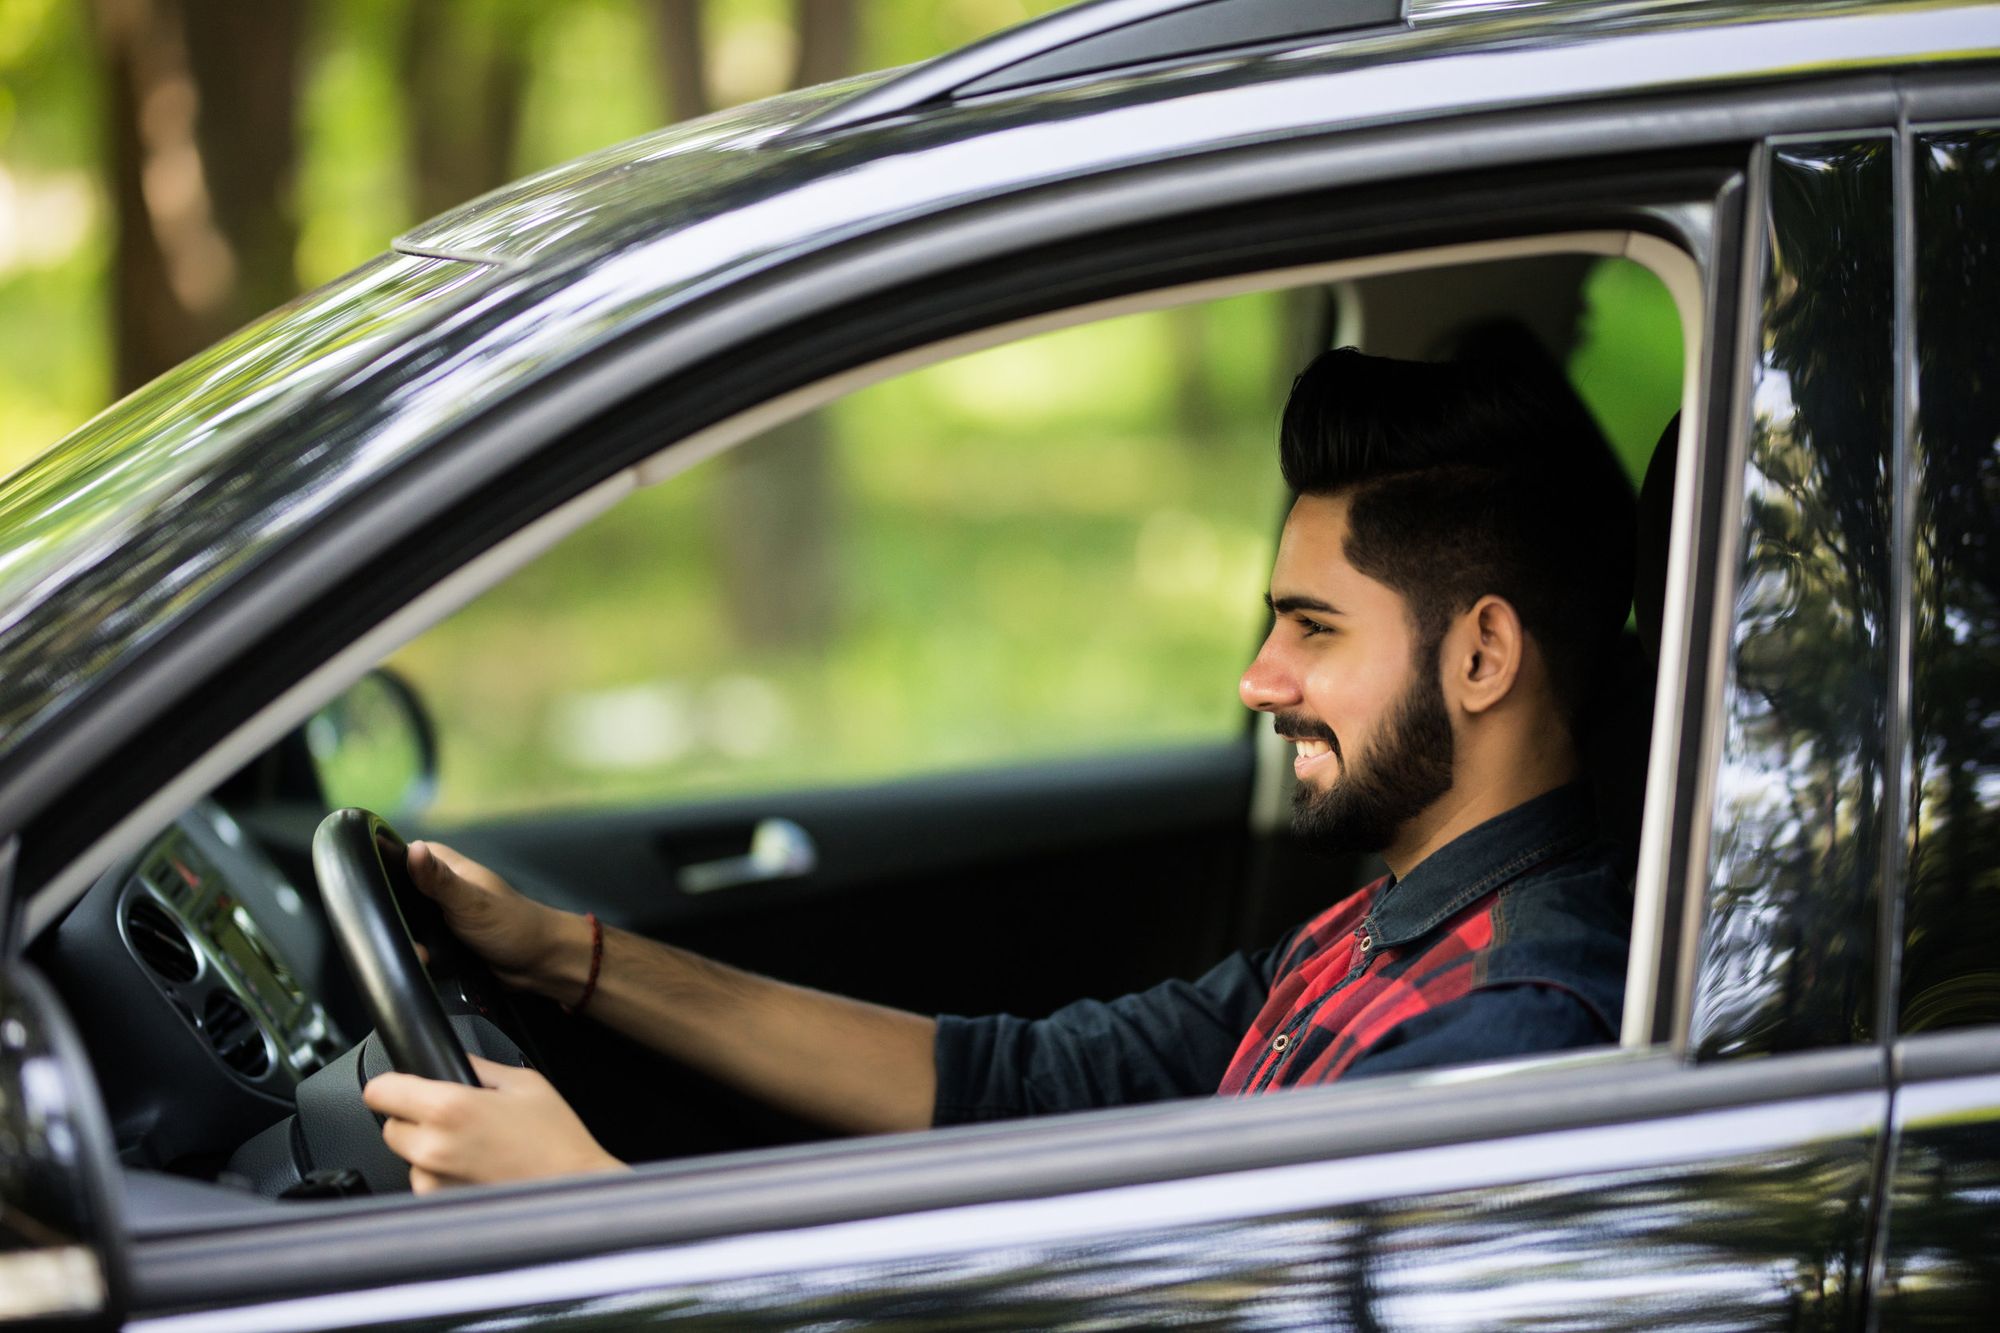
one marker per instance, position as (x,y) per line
(372,935)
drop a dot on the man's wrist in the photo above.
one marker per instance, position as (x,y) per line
(565,968)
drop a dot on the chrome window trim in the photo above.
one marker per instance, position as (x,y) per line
(1901,628)
(1651,899)
(1955,1053)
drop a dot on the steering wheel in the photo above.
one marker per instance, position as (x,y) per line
(334,1142)
(360,862)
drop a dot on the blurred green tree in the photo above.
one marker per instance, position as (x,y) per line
(200,154)
(175,167)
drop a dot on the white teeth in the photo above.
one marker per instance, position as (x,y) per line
(1311,749)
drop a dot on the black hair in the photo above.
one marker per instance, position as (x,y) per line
(1470,478)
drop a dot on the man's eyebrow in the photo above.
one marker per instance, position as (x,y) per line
(1284,606)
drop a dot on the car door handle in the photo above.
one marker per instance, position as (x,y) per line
(779,849)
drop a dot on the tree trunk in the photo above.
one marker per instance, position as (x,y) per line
(1197,413)
(202,149)
(779,494)
(465,80)
(777,537)
(681,53)
(827,37)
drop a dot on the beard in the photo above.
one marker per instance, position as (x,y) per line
(1389,784)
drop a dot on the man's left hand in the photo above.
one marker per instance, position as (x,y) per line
(517,1127)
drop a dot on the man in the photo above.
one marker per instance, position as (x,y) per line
(1454,566)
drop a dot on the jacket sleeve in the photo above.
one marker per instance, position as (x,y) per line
(1174,1040)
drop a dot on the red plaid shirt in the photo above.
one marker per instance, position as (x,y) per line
(1338,992)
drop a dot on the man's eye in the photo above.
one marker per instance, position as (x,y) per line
(1309,629)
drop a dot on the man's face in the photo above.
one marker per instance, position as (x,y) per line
(1339,673)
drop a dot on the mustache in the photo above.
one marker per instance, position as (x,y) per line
(1300,727)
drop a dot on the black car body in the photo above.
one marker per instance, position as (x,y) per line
(1801,1127)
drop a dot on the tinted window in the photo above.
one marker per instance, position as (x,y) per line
(1951,952)
(1788,955)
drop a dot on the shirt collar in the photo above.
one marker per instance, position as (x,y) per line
(1480,860)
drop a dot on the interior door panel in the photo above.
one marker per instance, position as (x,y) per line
(1018,890)
(1023,887)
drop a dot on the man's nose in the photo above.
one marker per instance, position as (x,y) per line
(1268,685)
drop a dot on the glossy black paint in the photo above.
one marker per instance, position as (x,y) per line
(1697,1231)
(105,490)
(1940,1265)
(58,1231)
(1951,940)
(1788,959)
(1941,1261)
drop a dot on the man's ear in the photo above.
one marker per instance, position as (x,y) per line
(1483,655)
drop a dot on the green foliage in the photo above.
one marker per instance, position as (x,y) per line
(1627,363)
(54,237)
(591,84)
(352,197)
(897,32)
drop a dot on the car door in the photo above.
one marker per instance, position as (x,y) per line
(1942,1230)
(1719,1170)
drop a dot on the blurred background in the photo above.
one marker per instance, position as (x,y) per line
(171,168)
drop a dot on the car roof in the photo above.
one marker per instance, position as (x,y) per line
(149,510)
(1440,58)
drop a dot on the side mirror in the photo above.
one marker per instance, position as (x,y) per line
(373,746)
(61,1259)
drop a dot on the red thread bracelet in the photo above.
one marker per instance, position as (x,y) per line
(596,963)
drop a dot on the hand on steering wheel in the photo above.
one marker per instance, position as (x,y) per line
(516,1125)
(357,884)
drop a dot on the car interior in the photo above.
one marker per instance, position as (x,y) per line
(710,713)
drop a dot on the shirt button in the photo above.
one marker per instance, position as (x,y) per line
(1280,1042)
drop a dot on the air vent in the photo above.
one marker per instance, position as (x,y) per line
(235,1035)
(159,941)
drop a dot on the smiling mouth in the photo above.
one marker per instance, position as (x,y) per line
(1316,744)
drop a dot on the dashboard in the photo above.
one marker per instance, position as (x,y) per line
(198,974)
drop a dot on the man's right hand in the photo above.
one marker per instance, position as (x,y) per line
(520,939)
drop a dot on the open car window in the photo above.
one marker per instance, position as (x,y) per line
(1048,550)
(954,658)
(1051,549)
